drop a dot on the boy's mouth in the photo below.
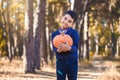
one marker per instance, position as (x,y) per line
(64,25)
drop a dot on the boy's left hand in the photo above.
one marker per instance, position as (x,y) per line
(65,47)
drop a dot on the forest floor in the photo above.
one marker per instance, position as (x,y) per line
(96,69)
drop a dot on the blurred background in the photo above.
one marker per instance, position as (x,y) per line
(26,27)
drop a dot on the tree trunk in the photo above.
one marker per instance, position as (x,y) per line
(37,54)
(29,37)
(40,47)
(80,9)
(9,42)
(43,31)
(86,39)
(96,38)
(113,41)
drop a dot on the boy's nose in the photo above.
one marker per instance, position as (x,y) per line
(65,22)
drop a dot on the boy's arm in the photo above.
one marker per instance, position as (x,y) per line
(73,48)
(75,38)
(65,48)
(54,49)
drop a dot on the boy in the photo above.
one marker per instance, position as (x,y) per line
(67,56)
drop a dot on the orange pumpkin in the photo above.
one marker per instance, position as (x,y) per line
(62,38)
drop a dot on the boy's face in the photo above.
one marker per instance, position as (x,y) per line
(66,21)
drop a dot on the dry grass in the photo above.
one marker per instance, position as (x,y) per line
(15,71)
(87,71)
(111,73)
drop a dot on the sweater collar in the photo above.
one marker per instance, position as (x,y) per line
(64,30)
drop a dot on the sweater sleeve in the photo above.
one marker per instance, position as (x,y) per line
(75,38)
(54,49)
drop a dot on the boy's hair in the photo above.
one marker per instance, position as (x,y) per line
(72,14)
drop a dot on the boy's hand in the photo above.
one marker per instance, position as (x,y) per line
(63,48)
(59,48)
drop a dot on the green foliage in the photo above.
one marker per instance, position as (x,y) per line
(116,35)
(91,54)
(2,43)
(13,21)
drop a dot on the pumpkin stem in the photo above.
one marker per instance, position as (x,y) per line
(62,33)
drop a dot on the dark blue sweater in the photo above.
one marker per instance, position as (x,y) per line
(73,53)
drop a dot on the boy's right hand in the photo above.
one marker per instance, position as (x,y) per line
(59,48)
(63,48)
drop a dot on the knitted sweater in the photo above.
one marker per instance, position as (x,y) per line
(73,53)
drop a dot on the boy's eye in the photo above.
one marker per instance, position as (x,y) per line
(65,18)
(69,21)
